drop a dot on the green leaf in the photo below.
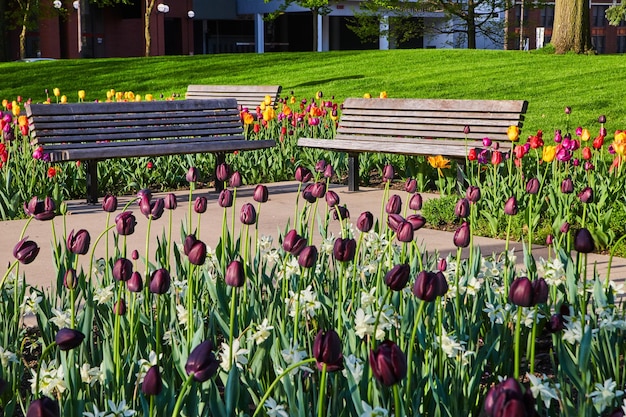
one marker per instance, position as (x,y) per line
(231,392)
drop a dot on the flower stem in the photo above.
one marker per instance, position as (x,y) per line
(396,401)
(181,396)
(231,329)
(322,392)
(41,360)
(518,330)
(416,323)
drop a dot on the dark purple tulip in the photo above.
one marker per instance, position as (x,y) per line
(564,227)
(602,119)
(201,362)
(415,203)
(171,202)
(67,339)
(388,173)
(247,215)
(332,198)
(472,194)
(549,240)
(567,186)
(122,269)
(69,279)
(462,236)
(307,194)
(144,194)
(160,281)
(466,130)
(144,205)
(120,307)
(261,193)
(125,223)
(225,198)
(303,174)
(329,171)
(540,291)
(293,242)
(586,195)
(416,220)
(320,165)
(318,190)
(394,205)
(405,232)
(618,412)
(340,212)
(397,278)
(344,249)
(442,284)
(43,407)
(235,276)
(427,286)
(78,243)
(307,257)
(583,241)
(568,110)
(510,207)
(135,283)
(200,205)
(235,180)
(109,203)
(327,350)
(222,172)
(532,186)
(462,208)
(410,186)
(192,174)
(521,292)
(365,222)
(25,251)
(152,382)
(196,252)
(388,363)
(442,264)
(40,210)
(556,323)
(507,399)
(394,221)
(156,208)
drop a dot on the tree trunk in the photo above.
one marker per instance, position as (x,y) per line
(146,25)
(23,31)
(572,31)
(471,25)
(315,14)
(4,35)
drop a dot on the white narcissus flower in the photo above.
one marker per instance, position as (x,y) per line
(540,388)
(263,332)
(239,355)
(293,355)
(89,375)
(61,318)
(102,295)
(355,366)
(31,302)
(95,413)
(119,410)
(449,345)
(181,314)
(363,324)
(604,394)
(7,357)
(273,409)
(372,412)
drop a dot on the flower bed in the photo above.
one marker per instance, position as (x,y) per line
(363,323)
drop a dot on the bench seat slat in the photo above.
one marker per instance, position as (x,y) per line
(249,96)
(377,134)
(130,143)
(161,150)
(132,107)
(378,104)
(145,118)
(445,123)
(419,147)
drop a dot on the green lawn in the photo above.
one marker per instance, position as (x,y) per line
(591,85)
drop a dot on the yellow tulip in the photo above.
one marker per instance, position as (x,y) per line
(292,100)
(119,96)
(549,152)
(318,95)
(81,94)
(619,147)
(620,136)
(109,94)
(439,162)
(585,135)
(138,97)
(383,94)
(149,97)
(268,100)
(513,133)
(22,121)
(56,92)
(16,108)
(5,103)
(262,106)
(367,95)
(269,114)
(63,99)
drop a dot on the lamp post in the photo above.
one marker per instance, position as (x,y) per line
(163,9)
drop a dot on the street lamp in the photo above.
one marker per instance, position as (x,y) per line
(191,14)
(163,8)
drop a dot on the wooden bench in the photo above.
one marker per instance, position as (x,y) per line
(419,127)
(90,132)
(249,96)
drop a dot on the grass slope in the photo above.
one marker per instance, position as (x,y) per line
(591,85)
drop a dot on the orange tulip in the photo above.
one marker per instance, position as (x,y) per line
(248,119)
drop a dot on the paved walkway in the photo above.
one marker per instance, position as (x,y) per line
(273,218)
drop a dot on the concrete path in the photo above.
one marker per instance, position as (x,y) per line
(273,218)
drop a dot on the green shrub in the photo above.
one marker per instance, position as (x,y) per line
(439,212)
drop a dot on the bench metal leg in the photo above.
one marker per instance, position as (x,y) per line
(91,171)
(353,172)
(220,158)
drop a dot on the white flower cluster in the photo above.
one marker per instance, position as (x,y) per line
(31,302)
(553,271)
(51,379)
(292,355)
(365,317)
(239,355)
(307,301)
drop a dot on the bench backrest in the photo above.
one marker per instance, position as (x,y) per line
(67,125)
(429,118)
(249,96)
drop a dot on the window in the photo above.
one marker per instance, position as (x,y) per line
(621,44)
(597,16)
(547,17)
(598,43)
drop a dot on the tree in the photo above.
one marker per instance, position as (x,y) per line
(572,28)
(467,18)
(616,14)
(373,21)
(317,8)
